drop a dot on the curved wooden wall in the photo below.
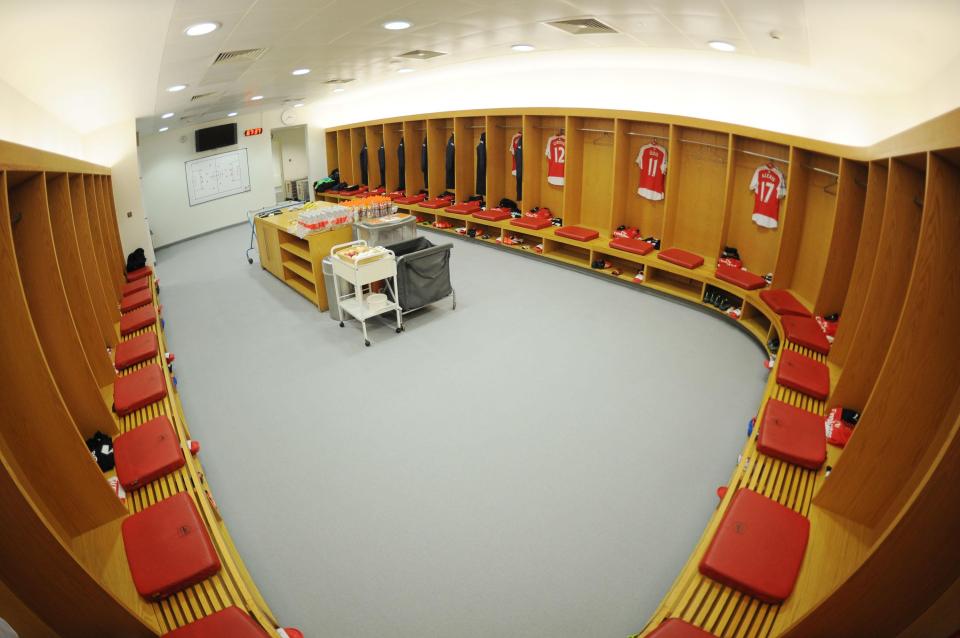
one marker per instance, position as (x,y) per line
(869,233)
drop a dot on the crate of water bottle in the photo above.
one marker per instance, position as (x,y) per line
(319,219)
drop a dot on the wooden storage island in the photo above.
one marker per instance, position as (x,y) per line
(296,261)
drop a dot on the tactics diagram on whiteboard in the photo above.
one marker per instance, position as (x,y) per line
(217,176)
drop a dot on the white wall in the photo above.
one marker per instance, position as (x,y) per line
(22,121)
(293,152)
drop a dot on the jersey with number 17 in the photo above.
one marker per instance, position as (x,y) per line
(770,187)
(556,159)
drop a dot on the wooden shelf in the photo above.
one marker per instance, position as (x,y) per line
(302,286)
(673,284)
(299,266)
(295,248)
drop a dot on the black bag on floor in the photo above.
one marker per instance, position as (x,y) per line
(136,260)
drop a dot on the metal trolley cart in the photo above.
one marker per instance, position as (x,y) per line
(361,265)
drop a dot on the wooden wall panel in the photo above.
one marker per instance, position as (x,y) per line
(851,195)
(696,206)
(330,140)
(413,134)
(105,308)
(100,249)
(374,136)
(438,132)
(357,140)
(344,161)
(108,223)
(818,213)
(596,196)
(392,134)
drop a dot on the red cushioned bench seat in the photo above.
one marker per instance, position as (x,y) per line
(437,202)
(783,303)
(138,319)
(412,199)
(139,273)
(740,278)
(147,453)
(136,350)
(758,547)
(532,223)
(636,246)
(792,434)
(138,389)
(464,208)
(136,299)
(676,628)
(577,232)
(493,214)
(680,258)
(803,374)
(231,622)
(134,286)
(168,548)
(806,332)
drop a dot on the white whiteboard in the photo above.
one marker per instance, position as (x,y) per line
(217,176)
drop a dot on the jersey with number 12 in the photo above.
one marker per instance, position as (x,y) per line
(770,187)
(556,159)
(652,160)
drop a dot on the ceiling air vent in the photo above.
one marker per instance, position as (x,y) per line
(200,97)
(339,81)
(582,26)
(241,55)
(420,54)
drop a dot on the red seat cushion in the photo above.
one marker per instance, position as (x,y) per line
(803,374)
(493,214)
(740,278)
(137,389)
(231,622)
(806,332)
(792,434)
(758,547)
(783,303)
(680,258)
(464,208)
(676,628)
(636,246)
(134,286)
(138,319)
(146,453)
(136,299)
(136,350)
(411,199)
(168,547)
(577,232)
(139,273)
(436,202)
(531,222)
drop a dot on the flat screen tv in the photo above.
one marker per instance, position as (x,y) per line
(215,137)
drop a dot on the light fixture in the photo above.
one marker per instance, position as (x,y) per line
(300,71)
(201,28)
(339,89)
(256,97)
(523,48)
(232,114)
(405,69)
(721,45)
(298,105)
(166,116)
(176,88)
(396,25)
(165,128)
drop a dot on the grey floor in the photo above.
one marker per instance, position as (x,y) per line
(539,462)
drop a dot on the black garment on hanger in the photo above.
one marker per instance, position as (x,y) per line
(482,165)
(451,164)
(382,160)
(364,165)
(519,156)
(423,163)
(402,167)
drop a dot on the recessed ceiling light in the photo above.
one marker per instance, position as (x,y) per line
(256,97)
(339,90)
(300,71)
(202,28)
(165,128)
(176,87)
(298,105)
(721,45)
(396,25)
(405,69)
(166,116)
(522,47)
(232,114)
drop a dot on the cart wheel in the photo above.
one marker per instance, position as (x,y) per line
(341,324)
(367,343)
(249,261)
(398,330)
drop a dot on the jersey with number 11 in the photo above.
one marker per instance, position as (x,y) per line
(556,159)
(770,187)
(652,160)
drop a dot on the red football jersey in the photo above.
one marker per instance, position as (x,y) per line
(770,187)
(514,144)
(556,159)
(652,160)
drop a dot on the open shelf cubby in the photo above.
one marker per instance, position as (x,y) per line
(673,284)
(565,253)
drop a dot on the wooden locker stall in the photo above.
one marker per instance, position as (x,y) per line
(108,225)
(501,178)
(589,172)
(467,132)
(628,207)
(104,305)
(330,142)
(100,250)
(414,133)
(536,190)
(344,159)
(439,131)
(392,134)
(358,137)
(374,138)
